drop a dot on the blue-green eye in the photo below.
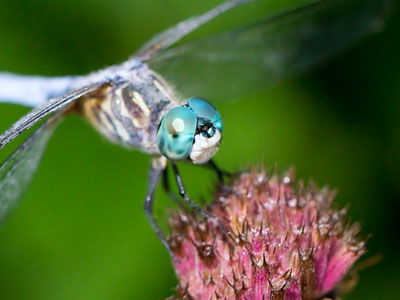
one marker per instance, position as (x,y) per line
(206,110)
(176,133)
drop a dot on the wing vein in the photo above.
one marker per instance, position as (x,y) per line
(41,111)
(172,35)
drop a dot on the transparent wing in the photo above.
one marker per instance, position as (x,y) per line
(230,64)
(42,111)
(32,90)
(177,32)
(17,171)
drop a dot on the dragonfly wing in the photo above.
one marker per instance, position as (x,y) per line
(180,30)
(43,110)
(258,55)
(32,90)
(17,171)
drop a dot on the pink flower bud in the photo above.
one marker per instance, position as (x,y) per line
(278,240)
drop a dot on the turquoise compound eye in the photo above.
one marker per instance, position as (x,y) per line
(176,133)
(206,110)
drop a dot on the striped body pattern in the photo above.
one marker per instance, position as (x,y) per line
(128,110)
(133,106)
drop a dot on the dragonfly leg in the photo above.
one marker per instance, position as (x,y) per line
(156,170)
(220,173)
(167,187)
(194,206)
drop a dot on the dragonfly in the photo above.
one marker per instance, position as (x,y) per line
(155,100)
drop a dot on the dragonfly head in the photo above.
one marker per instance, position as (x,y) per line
(192,131)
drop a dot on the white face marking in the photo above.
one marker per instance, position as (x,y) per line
(204,148)
(178,125)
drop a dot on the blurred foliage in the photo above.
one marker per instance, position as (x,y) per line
(80,232)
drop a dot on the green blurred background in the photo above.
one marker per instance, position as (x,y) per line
(80,232)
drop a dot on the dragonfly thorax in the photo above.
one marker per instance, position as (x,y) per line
(129,110)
